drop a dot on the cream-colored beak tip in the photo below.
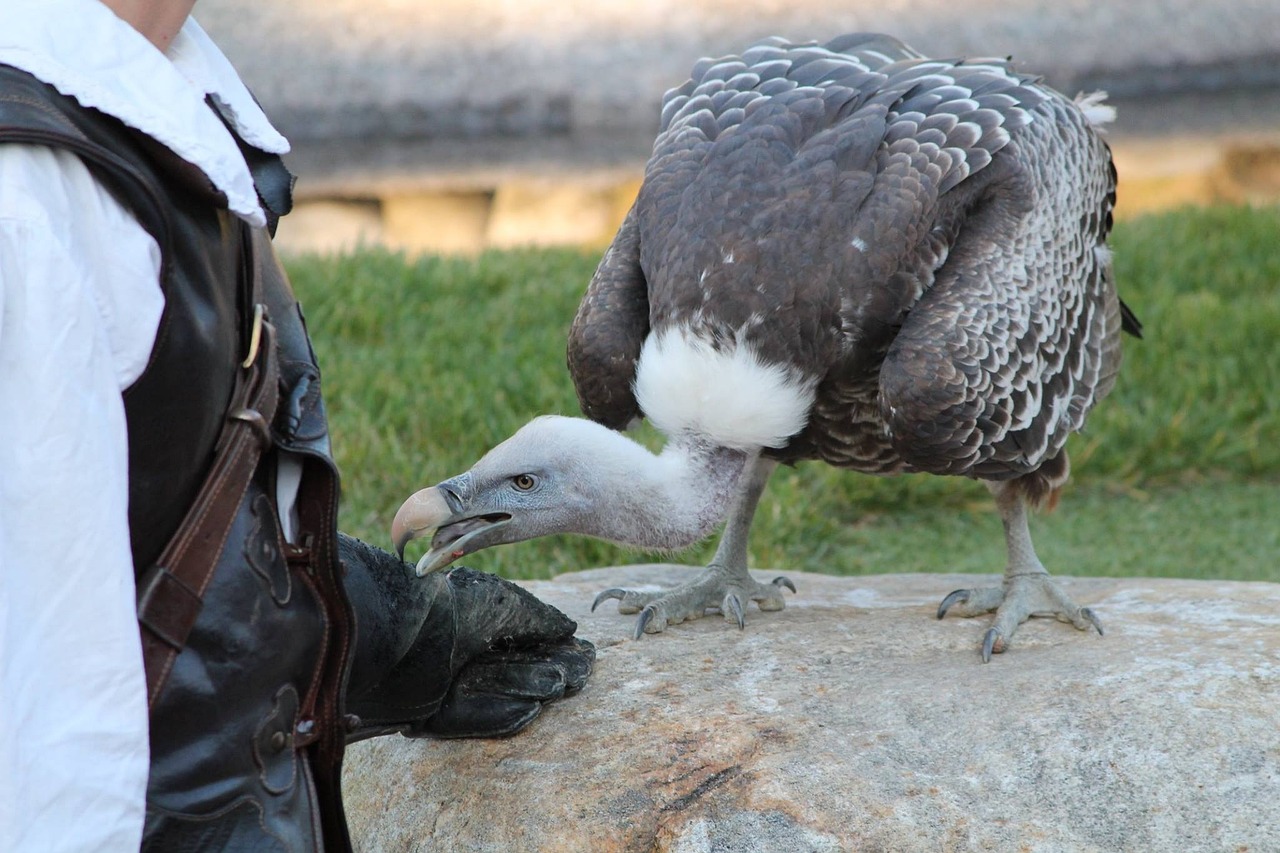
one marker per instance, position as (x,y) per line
(422,513)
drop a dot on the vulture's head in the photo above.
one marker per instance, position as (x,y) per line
(554,475)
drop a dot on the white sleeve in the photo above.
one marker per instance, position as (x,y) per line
(79,305)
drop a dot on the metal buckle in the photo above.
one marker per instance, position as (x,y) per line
(256,422)
(255,336)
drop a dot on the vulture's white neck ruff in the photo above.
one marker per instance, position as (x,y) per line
(729,396)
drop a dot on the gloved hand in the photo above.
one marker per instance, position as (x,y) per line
(454,654)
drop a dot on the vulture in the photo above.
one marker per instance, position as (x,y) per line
(845,252)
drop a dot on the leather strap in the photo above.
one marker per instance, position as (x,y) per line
(170,592)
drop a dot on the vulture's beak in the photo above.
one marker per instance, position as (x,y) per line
(440,512)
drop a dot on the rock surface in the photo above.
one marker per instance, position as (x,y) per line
(854,720)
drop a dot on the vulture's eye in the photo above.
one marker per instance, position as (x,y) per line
(523,482)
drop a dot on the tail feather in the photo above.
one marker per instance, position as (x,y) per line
(1129,321)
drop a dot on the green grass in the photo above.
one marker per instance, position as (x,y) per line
(429,363)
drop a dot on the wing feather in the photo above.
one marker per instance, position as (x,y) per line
(608,331)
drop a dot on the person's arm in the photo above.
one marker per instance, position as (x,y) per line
(453,654)
(79,304)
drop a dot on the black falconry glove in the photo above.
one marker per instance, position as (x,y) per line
(453,654)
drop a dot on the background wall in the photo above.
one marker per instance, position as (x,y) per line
(458,124)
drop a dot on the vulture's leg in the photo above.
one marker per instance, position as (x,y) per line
(725,584)
(1027,589)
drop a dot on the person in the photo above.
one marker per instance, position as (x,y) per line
(186,641)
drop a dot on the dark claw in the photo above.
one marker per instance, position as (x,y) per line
(606,595)
(960,595)
(1093,619)
(734,604)
(646,616)
(989,644)
(781,581)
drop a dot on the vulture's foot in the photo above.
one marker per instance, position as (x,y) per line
(1021,597)
(715,589)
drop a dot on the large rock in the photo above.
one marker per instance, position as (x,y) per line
(855,720)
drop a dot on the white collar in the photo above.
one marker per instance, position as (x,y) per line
(84,51)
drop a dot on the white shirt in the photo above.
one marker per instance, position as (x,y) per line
(79,306)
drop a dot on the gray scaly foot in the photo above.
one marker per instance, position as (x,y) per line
(1021,597)
(1027,591)
(718,588)
(725,585)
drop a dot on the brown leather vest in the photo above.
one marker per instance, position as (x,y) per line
(247,735)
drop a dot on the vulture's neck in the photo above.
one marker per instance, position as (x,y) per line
(673,499)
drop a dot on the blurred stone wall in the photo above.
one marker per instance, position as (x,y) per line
(458,124)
